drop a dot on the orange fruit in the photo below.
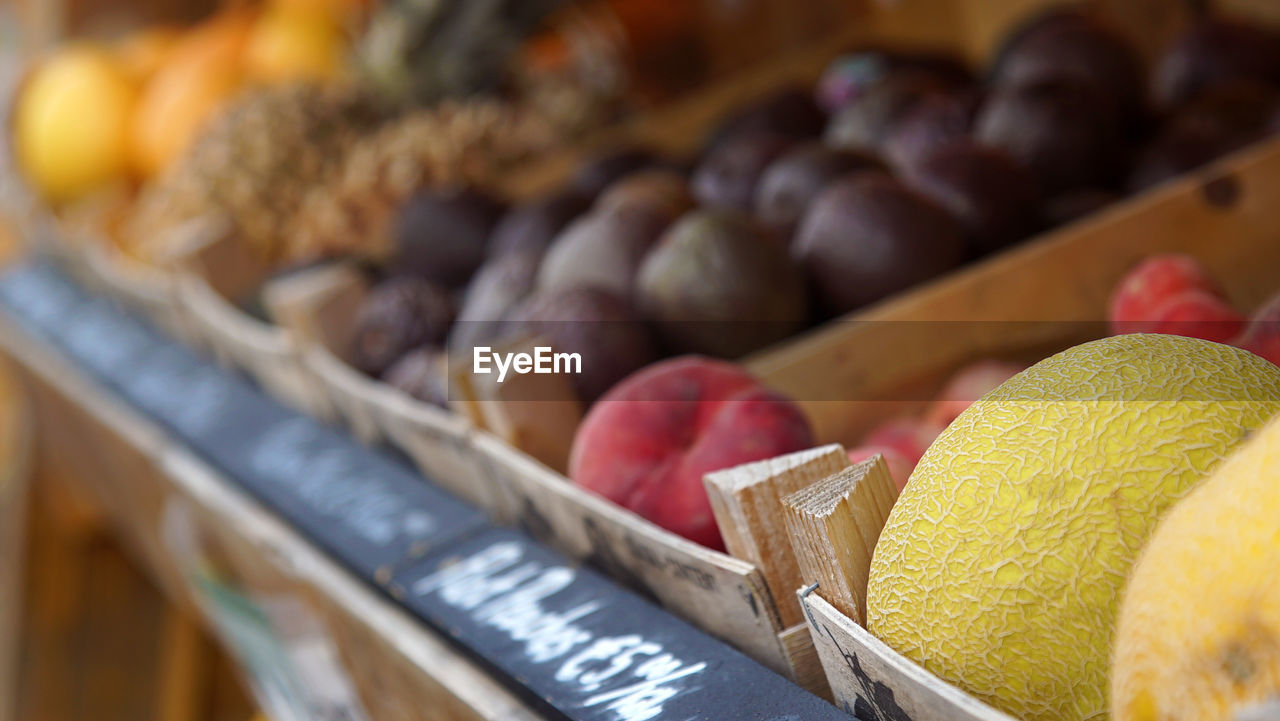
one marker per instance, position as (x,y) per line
(294,44)
(144,52)
(203,70)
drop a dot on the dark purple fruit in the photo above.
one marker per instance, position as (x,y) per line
(1070,46)
(1075,205)
(718,284)
(868,237)
(397,316)
(792,181)
(1067,134)
(600,250)
(992,197)
(865,123)
(728,176)
(598,172)
(1212,52)
(532,225)
(500,284)
(422,374)
(934,122)
(442,236)
(660,193)
(593,323)
(1221,120)
(791,113)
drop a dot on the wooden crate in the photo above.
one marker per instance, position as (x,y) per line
(1222,216)
(1034,300)
(844,361)
(1021,305)
(317,307)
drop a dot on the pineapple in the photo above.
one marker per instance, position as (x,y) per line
(254,165)
(454,143)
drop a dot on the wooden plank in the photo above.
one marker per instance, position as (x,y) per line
(536,413)
(399,668)
(802,658)
(872,680)
(184,669)
(747,503)
(440,443)
(680,128)
(834,525)
(267,352)
(216,272)
(722,595)
(15,472)
(318,307)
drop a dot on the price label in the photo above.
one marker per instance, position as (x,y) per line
(590,649)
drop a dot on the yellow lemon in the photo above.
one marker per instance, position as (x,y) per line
(71,123)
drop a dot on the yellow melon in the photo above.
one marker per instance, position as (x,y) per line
(1001,565)
(1198,637)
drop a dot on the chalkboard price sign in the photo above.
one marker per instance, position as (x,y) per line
(369,511)
(41,296)
(590,649)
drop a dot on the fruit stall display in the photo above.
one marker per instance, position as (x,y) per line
(307,121)
(821,371)
(707,257)
(965,169)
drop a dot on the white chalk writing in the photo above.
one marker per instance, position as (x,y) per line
(629,675)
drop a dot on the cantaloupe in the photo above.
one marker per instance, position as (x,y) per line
(1001,565)
(1199,632)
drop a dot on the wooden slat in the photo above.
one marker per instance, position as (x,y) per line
(834,525)
(722,595)
(802,657)
(15,456)
(747,503)
(878,682)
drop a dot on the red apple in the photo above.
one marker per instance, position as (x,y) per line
(1149,285)
(647,443)
(968,385)
(899,467)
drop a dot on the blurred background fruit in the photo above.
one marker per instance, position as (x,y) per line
(64,150)
(144,52)
(295,42)
(1199,630)
(201,72)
